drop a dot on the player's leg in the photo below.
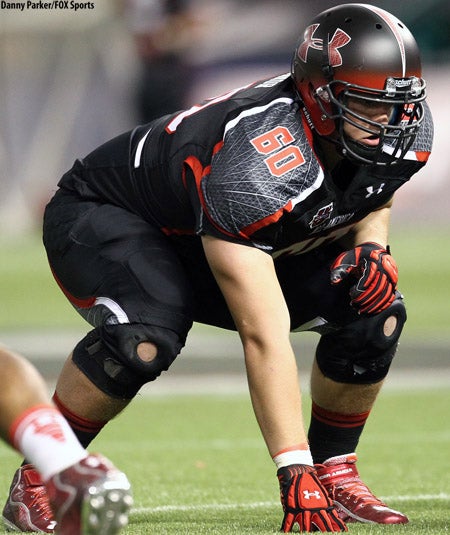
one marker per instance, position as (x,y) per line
(106,370)
(22,388)
(123,276)
(31,424)
(90,403)
(103,262)
(350,367)
(168,283)
(28,418)
(24,408)
(352,360)
(330,394)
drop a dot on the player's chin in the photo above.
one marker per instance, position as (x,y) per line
(364,150)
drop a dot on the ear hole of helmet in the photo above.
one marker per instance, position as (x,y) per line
(320,110)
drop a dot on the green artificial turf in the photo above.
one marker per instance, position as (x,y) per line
(198,464)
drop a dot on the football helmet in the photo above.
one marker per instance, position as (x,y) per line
(359,53)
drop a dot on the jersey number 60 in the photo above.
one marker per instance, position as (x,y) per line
(282,156)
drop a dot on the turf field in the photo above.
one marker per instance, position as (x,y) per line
(198,464)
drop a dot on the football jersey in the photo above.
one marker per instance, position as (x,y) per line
(242,167)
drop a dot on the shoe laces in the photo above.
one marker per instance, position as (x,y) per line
(354,490)
(39,501)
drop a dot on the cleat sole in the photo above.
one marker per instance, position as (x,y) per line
(106,506)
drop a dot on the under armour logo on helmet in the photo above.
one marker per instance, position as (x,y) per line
(339,39)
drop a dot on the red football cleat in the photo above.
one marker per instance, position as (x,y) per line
(91,497)
(27,507)
(353,499)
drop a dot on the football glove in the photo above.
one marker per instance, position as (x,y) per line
(376,275)
(306,502)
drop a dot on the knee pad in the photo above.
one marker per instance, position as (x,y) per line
(108,357)
(361,352)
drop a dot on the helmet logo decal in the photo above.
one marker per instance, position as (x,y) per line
(309,42)
(339,39)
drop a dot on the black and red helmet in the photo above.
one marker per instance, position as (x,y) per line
(360,51)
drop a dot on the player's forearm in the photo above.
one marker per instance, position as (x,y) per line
(250,286)
(373,228)
(275,393)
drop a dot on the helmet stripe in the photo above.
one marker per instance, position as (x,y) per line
(392,23)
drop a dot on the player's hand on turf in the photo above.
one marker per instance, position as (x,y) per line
(376,275)
(305,501)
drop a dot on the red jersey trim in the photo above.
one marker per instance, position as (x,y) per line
(176,231)
(422,156)
(272,218)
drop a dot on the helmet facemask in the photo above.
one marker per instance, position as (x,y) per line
(364,54)
(403,98)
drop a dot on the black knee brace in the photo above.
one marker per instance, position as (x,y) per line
(108,357)
(361,352)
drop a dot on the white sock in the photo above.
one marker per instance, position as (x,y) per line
(295,455)
(44,437)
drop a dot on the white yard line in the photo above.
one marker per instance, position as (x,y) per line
(264,505)
(236,383)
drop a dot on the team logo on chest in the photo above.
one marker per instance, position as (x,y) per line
(322,219)
(322,215)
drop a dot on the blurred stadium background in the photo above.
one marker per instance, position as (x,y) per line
(68,82)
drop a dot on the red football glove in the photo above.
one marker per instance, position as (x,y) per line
(376,274)
(305,501)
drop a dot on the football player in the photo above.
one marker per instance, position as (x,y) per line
(83,493)
(265,210)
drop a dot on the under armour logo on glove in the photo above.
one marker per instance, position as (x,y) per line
(375,273)
(306,502)
(308,495)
